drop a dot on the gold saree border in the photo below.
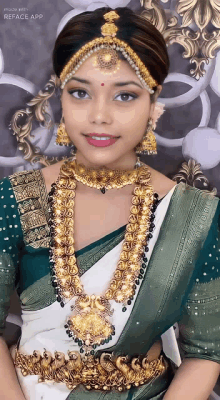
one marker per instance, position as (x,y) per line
(31,197)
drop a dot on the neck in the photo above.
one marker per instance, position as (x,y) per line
(124,163)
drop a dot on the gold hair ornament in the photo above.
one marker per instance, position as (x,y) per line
(105,60)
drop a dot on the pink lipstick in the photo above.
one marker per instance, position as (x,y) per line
(100,139)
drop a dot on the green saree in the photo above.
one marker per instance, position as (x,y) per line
(181,283)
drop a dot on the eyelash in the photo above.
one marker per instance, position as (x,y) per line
(82,90)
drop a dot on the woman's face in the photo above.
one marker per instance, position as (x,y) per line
(95,104)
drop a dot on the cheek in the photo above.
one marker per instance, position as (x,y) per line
(75,116)
(132,120)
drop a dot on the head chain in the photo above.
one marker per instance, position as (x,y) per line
(108,41)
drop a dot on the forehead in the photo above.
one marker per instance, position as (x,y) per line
(91,71)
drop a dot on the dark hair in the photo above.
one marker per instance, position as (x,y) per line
(134,29)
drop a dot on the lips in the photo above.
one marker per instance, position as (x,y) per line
(100,139)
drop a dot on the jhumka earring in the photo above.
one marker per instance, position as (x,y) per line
(148,145)
(62,138)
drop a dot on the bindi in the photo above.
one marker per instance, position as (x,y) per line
(102,84)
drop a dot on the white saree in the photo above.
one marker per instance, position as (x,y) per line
(44,328)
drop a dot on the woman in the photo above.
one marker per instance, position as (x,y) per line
(130,252)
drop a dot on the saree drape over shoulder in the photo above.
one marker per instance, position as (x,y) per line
(181,283)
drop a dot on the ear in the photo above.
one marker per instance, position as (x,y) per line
(154,97)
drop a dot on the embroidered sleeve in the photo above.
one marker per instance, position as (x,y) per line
(200,322)
(31,197)
(9,237)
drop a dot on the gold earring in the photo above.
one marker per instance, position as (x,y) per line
(148,145)
(62,138)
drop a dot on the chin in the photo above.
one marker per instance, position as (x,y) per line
(98,160)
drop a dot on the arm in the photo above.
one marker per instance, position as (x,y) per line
(9,385)
(199,327)
(9,221)
(194,380)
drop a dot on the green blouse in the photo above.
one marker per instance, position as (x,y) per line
(183,271)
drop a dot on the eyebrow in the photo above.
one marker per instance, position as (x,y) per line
(116,84)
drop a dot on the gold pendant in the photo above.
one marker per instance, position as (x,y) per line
(90,321)
(107,61)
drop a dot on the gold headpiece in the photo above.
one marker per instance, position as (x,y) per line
(107,58)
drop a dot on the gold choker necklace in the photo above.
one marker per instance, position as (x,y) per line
(90,325)
(104,178)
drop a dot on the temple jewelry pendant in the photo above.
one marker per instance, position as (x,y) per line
(103,190)
(89,322)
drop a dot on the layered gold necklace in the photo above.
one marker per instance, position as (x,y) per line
(89,324)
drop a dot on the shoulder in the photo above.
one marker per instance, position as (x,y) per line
(162,185)
(160,182)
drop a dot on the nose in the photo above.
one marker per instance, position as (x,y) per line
(100,112)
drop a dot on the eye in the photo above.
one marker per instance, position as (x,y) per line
(81,93)
(125,96)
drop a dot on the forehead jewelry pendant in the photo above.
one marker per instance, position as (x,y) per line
(106,59)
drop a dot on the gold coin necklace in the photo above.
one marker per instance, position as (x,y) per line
(90,325)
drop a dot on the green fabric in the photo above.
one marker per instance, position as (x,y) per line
(10,240)
(41,293)
(172,270)
(200,322)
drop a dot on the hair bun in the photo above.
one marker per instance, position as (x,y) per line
(81,6)
(86,4)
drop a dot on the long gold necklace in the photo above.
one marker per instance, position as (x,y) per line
(89,324)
